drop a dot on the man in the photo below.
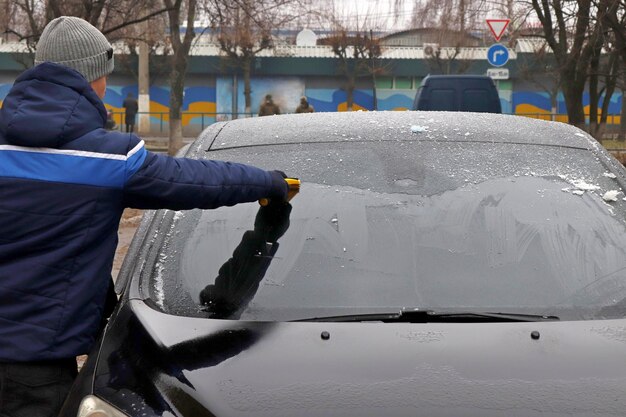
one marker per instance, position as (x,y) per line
(304,106)
(268,108)
(64,183)
(130,112)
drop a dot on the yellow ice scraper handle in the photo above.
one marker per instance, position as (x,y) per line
(294,187)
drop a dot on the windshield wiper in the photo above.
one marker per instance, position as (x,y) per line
(431,316)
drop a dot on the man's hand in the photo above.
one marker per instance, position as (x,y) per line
(279,180)
(280,188)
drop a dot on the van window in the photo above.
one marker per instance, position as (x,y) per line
(476,100)
(442,99)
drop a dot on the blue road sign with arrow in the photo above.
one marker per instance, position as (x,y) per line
(497,55)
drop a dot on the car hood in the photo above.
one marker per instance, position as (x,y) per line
(156,363)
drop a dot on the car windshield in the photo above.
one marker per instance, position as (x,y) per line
(387,225)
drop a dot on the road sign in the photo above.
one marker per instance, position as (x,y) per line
(497,55)
(498,73)
(498,26)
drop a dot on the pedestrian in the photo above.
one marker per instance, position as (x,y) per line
(64,183)
(130,112)
(304,106)
(110,123)
(268,107)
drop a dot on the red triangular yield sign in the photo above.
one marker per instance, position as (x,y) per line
(498,27)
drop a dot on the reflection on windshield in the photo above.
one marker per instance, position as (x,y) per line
(238,279)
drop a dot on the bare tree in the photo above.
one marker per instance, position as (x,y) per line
(603,77)
(29,17)
(541,70)
(158,47)
(357,53)
(572,33)
(181,45)
(445,59)
(243,28)
(5,14)
(615,19)
(354,42)
(458,15)
(519,13)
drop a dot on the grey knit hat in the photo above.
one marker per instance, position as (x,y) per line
(75,43)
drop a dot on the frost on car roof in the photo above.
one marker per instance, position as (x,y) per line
(394,126)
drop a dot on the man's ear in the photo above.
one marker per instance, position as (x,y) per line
(99,86)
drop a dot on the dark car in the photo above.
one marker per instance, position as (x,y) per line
(433,264)
(471,93)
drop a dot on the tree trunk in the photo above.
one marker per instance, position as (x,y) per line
(144,87)
(374,96)
(177,85)
(373,69)
(350,95)
(610,83)
(247,90)
(608,93)
(554,102)
(235,97)
(593,96)
(573,95)
(622,126)
(179,68)
(176,136)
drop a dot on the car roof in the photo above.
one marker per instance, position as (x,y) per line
(458,76)
(391,126)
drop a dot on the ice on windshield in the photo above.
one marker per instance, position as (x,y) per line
(419,224)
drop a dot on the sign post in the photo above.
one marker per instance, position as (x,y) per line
(498,54)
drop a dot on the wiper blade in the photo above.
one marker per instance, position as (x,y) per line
(431,316)
(471,316)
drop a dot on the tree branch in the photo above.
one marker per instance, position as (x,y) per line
(134,21)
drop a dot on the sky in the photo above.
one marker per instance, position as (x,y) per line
(351,14)
(351,11)
(382,10)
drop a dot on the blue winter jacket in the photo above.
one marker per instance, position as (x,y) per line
(64,182)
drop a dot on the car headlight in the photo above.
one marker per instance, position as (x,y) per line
(92,406)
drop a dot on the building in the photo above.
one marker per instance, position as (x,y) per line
(214,90)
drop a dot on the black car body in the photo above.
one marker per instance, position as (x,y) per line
(433,264)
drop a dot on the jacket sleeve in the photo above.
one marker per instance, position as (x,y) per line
(156,181)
